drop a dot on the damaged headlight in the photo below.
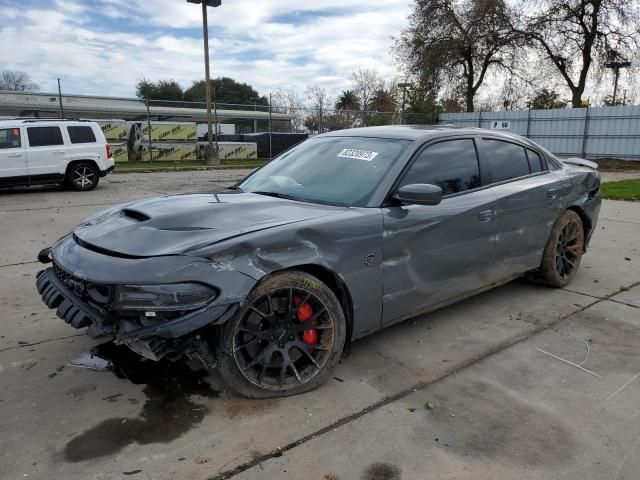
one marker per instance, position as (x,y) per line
(175,296)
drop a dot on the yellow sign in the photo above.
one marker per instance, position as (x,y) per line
(115,130)
(237,151)
(170,152)
(170,132)
(119,152)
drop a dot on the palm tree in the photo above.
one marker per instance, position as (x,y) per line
(348,100)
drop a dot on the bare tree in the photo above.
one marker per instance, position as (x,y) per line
(457,42)
(366,82)
(318,101)
(577,36)
(290,102)
(17,81)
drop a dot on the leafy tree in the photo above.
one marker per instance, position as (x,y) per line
(578,35)
(160,90)
(234,95)
(457,42)
(620,102)
(348,100)
(421,107)
(17,81)
(384,100)
(546,99)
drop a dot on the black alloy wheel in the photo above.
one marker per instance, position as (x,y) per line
(286,339)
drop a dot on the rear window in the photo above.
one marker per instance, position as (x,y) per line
(9,138)
(507,160)
(535,161)
(44,136)
(81,135)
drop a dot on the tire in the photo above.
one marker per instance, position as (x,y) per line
(82,176)
(562,253)
(270,349)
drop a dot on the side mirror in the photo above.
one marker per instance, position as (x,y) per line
(419,194)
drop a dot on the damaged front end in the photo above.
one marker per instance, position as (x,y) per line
(166,309)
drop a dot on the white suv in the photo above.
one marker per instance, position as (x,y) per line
(36,152)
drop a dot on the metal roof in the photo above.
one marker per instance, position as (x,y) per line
(19,103)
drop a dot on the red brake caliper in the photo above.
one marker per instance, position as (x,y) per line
(305,312)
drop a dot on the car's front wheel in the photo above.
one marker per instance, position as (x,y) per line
(286,339)
(563,252)
(83,176)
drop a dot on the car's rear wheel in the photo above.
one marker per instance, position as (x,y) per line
(83,176)
(286,339)
(563,252)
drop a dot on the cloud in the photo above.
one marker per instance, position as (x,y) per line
(105,47)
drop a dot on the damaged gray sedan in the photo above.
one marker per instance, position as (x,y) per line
(344,234)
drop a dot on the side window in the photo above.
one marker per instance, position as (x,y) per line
(9,138)
(81,135)
(535,161)
(452,165)
(507,160)
(44,136)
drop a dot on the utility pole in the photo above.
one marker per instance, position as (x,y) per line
(60,99)
(404,87)
(616,66)
(212,156)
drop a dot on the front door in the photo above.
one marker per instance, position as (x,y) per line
(433,254)
(13,158)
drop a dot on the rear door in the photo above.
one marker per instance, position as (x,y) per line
(433,254)
(46,153)
(13,158)
(528,203)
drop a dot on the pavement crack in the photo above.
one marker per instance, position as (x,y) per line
(408,391)
(19,264)
(15,347)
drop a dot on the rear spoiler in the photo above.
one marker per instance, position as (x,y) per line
(580,162)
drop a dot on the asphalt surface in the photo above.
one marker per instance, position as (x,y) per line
(519,382)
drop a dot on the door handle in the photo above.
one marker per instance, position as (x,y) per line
(552,194)
(485,216)
(14,155)
(58,152)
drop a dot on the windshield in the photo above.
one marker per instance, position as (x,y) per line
(332,170)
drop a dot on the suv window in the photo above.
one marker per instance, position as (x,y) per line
(535,161)
(81,135)
(507,160)
(43,136)
(9,138)
(452,165)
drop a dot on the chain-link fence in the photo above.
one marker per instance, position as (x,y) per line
(233,122)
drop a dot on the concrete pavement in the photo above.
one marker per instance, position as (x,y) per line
(502,408)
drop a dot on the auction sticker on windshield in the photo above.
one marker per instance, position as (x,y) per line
(358,154)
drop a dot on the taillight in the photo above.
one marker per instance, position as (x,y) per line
(108,150)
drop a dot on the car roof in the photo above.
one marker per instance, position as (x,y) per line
(420,132)
(42,121)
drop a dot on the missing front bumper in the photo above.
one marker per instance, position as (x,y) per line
(153,341)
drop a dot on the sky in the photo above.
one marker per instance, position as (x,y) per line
(105,47)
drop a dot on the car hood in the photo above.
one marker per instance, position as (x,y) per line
(177,224)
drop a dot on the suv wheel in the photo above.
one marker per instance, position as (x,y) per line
(82,176)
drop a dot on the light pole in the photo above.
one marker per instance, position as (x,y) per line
(616,66)
(212,156)
(404,87)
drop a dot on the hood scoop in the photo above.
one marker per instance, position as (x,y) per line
(135,215)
